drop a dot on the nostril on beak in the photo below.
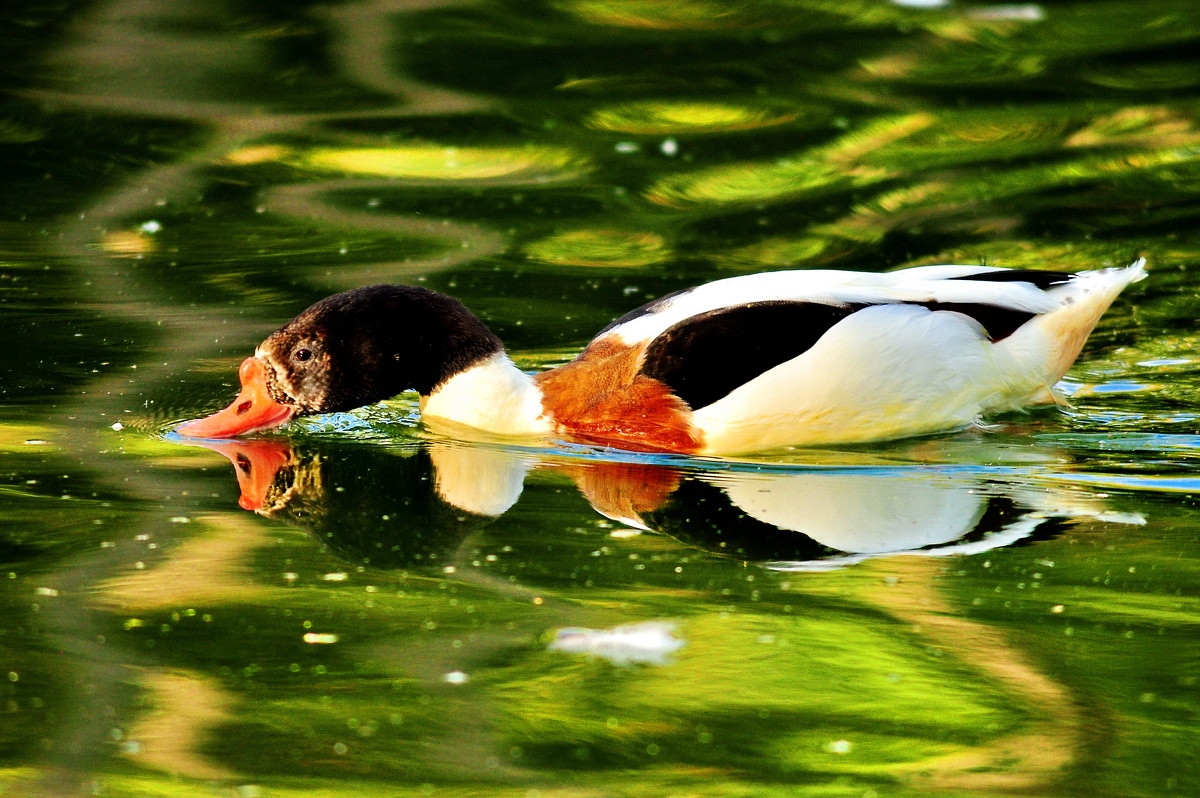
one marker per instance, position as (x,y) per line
(244,408)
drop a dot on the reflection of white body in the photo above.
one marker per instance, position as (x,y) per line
(480,480)
(863,513)
(869,515)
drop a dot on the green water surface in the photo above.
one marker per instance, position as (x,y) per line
(357,606)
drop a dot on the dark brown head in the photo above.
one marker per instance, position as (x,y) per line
(350,350)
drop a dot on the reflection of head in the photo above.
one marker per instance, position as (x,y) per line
(372,506)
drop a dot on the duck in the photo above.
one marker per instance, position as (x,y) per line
(739,365)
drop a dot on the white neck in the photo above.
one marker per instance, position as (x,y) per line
(493,396)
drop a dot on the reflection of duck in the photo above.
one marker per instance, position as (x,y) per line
(741,364)
(800,519)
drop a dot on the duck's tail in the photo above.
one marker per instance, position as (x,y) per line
(1061,333)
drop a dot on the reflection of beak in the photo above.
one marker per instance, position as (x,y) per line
(256,463)
(254,409)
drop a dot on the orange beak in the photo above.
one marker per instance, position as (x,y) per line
(253,410)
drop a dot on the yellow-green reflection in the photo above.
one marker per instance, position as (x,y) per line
(694,14)
(838,166)
(981,67)
(12,132)
(968,138)
(777,252)
(1151,125)
(421,161)
(1018,253)
(717,15)
(661,116)
(955,206)
(1147,77)
(600,248)
(255,154)
(643,83)
(25,438)
(870,221)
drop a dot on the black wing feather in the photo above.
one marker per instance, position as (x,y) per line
(997,322)
(1041,279)
(705,357)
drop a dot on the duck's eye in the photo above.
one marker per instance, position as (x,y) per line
(302,354)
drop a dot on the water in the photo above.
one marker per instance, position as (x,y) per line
(356,605)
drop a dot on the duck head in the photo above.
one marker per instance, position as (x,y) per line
(349,350)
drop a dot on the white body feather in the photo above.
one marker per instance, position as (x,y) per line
(494,396)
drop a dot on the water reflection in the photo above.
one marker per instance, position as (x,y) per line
(649,643)
(649,117)
(414,506)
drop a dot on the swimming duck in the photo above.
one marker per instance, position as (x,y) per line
(737,365)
